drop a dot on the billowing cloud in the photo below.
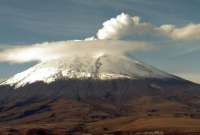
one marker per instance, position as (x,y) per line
(125,25)
(49,51)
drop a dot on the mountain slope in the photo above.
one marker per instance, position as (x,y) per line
(99,67)
(97,95)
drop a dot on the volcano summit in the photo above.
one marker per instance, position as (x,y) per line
(97,95)
(101,67)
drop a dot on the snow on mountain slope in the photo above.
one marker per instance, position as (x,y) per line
(80,67)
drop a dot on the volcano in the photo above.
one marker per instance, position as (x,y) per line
(100,67)
(103,94)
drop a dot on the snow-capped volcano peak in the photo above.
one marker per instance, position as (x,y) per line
(101,66)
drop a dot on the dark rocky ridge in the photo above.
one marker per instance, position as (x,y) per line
(94,89)
(70,105)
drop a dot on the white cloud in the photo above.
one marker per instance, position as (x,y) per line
(124,25)
(188,32)
(48,51)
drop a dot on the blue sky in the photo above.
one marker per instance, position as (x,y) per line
(26,22)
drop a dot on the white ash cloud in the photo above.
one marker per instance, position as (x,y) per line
(124,25)
(106,40)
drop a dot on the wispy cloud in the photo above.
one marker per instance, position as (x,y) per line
(53,50)
(125,25)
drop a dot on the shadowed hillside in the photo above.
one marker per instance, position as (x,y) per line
(100,106)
